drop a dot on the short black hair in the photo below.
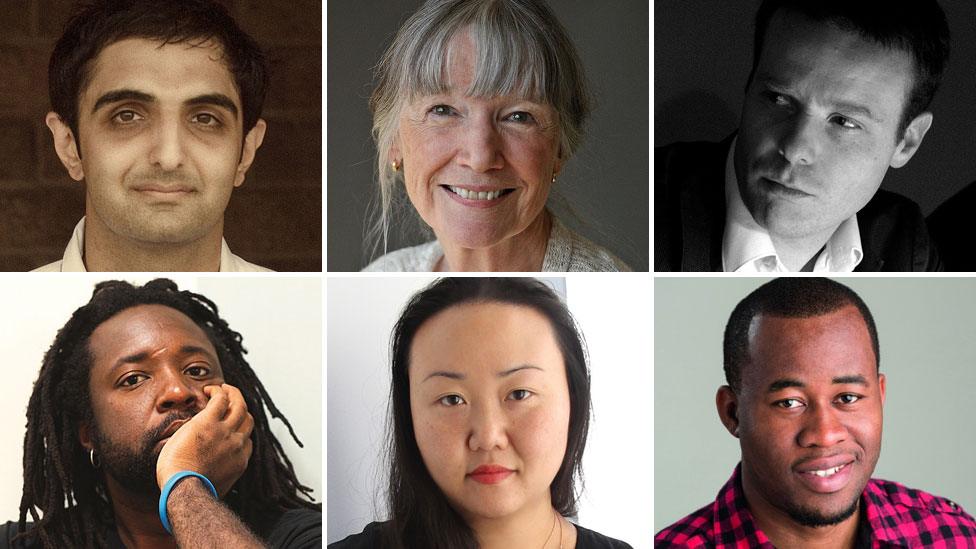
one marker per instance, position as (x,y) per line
(421,516)
(917,27)
(787,297)
(194,22)
(59,481)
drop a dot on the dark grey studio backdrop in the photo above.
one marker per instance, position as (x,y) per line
(925,329)
(702,57)
(605,183)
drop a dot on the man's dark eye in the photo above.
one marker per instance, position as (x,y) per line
(129,381)
(198,371)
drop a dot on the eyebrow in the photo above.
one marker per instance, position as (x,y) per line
(505,373)
(786,383)
(115,96)
(139,358)
(844,106)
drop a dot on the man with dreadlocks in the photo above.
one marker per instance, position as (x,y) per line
(147,428)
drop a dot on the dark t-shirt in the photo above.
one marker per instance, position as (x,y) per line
(371,537)
(294,529)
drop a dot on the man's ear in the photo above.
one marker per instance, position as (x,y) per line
(85,435)
(911,140)
(882,386)
(65,145)
(252,141)
(727,404)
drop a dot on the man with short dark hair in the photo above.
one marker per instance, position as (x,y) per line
(147,428)
(804,398)
(838,93)
(157,108)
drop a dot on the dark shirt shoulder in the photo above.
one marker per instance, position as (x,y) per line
(369,538)
(689,205)
(953,229)
(7,533)
(588,539)
(293,529)
(894,236)
(296,529)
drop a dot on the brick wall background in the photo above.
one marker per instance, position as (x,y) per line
(274,219)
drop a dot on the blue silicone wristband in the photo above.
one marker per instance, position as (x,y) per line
(168,487)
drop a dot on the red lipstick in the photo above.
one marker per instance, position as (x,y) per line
(490,474)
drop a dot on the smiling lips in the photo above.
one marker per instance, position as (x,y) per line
(826,476)
(490,474)
(477,197)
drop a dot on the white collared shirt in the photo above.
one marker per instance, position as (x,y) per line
(73,257)
(747,247)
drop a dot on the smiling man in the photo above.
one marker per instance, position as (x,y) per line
(805,399)
(147,428)
(839,92)
(156,107)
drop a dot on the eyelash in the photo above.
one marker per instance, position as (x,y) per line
(136,117)
(840,120)
(781,403)
(205,373)
(525,393)
(447,110)
(214,120)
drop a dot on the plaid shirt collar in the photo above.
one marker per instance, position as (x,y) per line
(895,515)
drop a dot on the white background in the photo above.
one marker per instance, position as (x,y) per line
(279,318)
(614,314)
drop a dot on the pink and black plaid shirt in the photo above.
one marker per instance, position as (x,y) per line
(894,516)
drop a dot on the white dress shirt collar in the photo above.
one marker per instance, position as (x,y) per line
(747,247)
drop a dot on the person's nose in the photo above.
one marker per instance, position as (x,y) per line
(168,148)
(799,142)
(822,427)
(481,145)
(176,391)
(488,428)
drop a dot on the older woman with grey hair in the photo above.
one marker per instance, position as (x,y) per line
(479,104)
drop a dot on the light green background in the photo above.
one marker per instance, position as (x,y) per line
(927,332)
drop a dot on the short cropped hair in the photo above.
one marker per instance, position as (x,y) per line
(193,22)
(522,50)
(788,297)
(917,27)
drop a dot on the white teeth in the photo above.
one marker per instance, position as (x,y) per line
(476,195)
(827,472)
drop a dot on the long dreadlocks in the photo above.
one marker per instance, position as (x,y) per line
(66,498)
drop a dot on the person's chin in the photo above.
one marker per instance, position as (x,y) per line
(470,234)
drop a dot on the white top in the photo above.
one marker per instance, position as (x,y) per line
(747,247)
(565,252)
(73,262)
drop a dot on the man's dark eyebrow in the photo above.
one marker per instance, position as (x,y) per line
(115,96)
(217,99)
(856,379)
(141,357)
(196,349)
(781,384)
(855,108)
(843,106)
(131,359)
